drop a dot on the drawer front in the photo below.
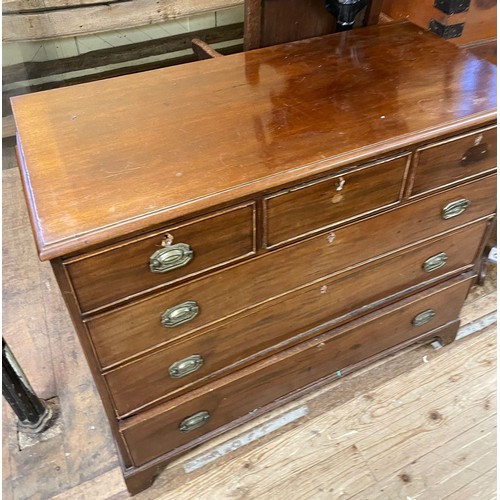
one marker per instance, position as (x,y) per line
(154,433)
(130,268)
(137,327)
(278,321)
(325,202)
(455,159)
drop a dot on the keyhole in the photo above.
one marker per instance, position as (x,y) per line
(168,239)
(478,140)
(339,185)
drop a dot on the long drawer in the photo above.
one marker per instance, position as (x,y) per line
(180,421)
(187,249)
(184,365)
(137,327)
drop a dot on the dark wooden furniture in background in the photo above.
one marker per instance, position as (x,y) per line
(467,23)
(231,234)
(271,22)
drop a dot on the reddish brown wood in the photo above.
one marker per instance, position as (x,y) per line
(131,330)
(163,158)
(489,241)
(259,280)
(453,160)
(479,19)
(448,331)
(252,24)
(372,13)
(235,154)
(121,270)
(481,193)
(287,320)
(447,336)
(270,22)
(281,21)
(202,50)
(138,480)
(330,201)
(71,304)
(158,433)
(486,49)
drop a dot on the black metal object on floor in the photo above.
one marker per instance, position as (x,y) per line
(33,413)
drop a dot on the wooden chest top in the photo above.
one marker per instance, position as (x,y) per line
(104,159)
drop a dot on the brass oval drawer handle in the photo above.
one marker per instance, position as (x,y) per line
(475,153)
(185,366)
(455,208)
(423,317)
(179,314)
(434,262)
(194,421)
(170,257)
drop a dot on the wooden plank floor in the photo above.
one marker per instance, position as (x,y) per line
(420,424)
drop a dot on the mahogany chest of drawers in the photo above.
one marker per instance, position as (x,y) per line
(231,233)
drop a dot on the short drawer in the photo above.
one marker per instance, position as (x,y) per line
(163,257)
(135,328)
(180,421)
(332,200)
(454,160)
(294,316)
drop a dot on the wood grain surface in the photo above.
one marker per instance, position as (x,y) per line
(38,328)
(122,270)
(135,329)
(331,201)
(448,162)
(96,18)
(250,285)
(153,434)
(454,460)
(129,53)
(486,49)
(156,171)
(18,6)
(478,19)
(273,22)
(285,321)
(270,22)
(309,107)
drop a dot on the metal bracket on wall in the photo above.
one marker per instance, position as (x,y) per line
(452,6)
(450,31)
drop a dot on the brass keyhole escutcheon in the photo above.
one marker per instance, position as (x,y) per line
(339,186)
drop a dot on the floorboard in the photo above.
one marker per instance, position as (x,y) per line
(420,424)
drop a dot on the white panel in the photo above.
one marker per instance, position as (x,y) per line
(232,15)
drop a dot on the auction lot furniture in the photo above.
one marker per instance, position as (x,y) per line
(233,233)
